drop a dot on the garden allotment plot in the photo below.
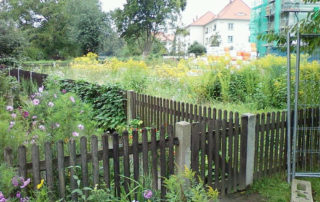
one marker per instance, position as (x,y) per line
(305,122)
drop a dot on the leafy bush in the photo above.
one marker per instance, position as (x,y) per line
(197,49)
(107,101)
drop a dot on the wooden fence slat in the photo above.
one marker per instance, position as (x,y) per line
(210,151)
(135,157)
(171,113)
(106,165)
(22,158)
(224,150)
(171,150)
(256,146)
(230,152)
(95,161)
(8,156)
(35,165)
(236,151)
(282,141)
(62,185)
(217,143)
(195,140)
(145,151)
(203,150)
(191,113)
(162,161)
(154,159)
(196,113)
(73,157)
(277,143)
(116,163)
(49,167)
(267,147)
(126,161)
(262,163)
(272,145)
(84,161)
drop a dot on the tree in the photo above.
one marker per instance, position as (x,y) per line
(141,20)
(197,49)
(215,40)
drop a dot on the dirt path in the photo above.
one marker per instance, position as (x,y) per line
(243,197)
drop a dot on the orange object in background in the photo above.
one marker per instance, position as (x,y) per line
(226,49)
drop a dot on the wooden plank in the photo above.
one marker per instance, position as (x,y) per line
(154,159)
(116,163)
(126,161)
(183,116)
(214,114)
(217,144)
(22,161)
(230,152)
(84,165)
(272,145)
(209,113)
(236,151)
(187,113)
(95,161)
(106,165)
(196,117)
(179,111)
(73,157)
(171,113)
(158,112)
(223,152)
(49,168)
(175,115)
(282,156)
(167,112)
(191,113)
(62,185)
(135,158)
(171,150)
(35,165)
(243,150)
(161,113)
(256,146)
(145,151)
(203,150)
(262,168)
(267,147)
(210,151)
(151,110)
(200,114)
(8,156)
(277,143)
(147,107)
(162,161)
(195,140)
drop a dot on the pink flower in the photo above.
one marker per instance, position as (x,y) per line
(24,183)
(25,114)
(72,99)
(81,127)
(75,134)
(34,123)
(34,117)
(50,104)
(57,125)
(64,91)
(41,89)
(13,115)
(2,198)
(9,108)
(147,194)
(36,101)
(11,124)
(42,127)
(15,182)
(55,95)
(18,195)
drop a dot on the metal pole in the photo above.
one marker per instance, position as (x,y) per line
(288,109)
(296,106)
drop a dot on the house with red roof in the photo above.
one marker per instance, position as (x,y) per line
(228,30)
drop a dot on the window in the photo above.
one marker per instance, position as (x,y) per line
(230,26)
(207,29)
(230,39)
(214,27)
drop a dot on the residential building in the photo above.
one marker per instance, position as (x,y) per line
(275,16)
(228,30)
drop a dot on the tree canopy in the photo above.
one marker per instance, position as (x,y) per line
(141,20)
(197,49)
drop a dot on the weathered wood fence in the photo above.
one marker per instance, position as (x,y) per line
(150,152)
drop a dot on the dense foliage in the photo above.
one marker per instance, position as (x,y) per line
(107,101)
(197,49)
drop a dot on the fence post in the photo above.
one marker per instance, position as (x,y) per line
(130,106)
(183,151)
(8,156)
(248,125)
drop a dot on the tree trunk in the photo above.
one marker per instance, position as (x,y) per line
(147,46)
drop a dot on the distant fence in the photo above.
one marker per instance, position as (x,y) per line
(148,150)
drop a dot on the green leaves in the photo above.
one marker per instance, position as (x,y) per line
(107,101)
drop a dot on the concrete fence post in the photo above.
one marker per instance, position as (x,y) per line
(183,151)
(130,106)
(248,125)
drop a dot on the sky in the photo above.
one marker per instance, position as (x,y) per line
(194,7)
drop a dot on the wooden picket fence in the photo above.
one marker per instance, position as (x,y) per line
(155,111)
(148,150)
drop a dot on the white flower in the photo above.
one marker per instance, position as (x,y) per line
(81,127)
(50,104)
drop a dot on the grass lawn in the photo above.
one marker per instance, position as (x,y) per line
(276,188)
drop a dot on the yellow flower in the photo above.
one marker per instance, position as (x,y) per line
(41,184)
